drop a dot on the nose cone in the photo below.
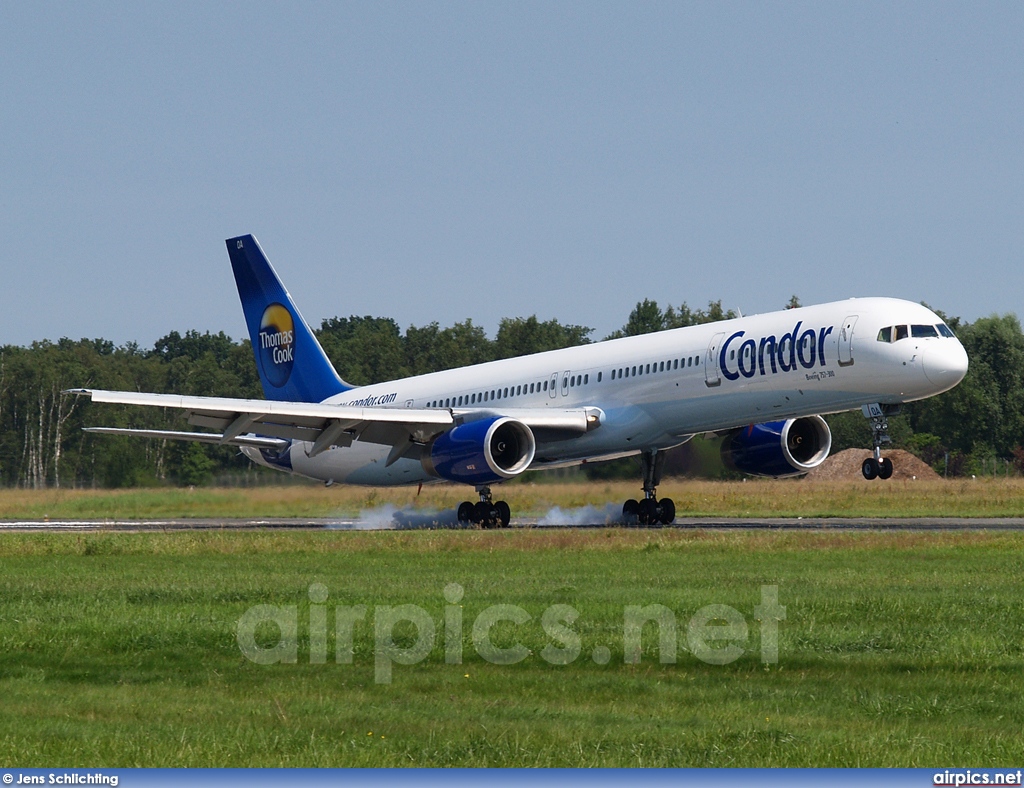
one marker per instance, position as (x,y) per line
(945,363)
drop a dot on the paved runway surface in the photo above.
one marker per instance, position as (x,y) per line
(419,521)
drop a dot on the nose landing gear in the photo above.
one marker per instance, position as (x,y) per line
(650,511)
(877,466)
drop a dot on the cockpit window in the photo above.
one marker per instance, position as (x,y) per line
(885,335)
(901,333)
(920,332)
(944,330)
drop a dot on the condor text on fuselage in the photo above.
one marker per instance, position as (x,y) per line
(783,354)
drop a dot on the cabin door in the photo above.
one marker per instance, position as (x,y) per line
(846,341)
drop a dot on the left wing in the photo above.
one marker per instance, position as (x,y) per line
(322,425)
(266,423)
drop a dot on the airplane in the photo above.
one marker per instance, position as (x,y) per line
(761,382)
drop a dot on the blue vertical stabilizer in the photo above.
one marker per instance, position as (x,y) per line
(292,365)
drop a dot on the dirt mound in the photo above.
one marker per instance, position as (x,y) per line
(845,466)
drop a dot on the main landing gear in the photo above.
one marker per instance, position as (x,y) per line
(877,466)
(485,512)
(650,511)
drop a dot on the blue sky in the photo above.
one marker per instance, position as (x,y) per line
(437,162)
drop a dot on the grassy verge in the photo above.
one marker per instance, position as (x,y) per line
(899,649)
(961,498)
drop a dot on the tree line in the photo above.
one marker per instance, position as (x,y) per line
(970,429)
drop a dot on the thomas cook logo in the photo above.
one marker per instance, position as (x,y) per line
(277,344)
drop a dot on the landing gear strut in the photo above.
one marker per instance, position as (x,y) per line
(878,466)
(485,512)
(650,511)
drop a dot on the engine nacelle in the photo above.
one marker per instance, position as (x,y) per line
(778,448)
(481,452)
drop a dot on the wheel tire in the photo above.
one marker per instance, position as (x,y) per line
(668,510)
(869,468)
(630,512)
(483,514)
(648,511)
(885,468)
(465,512)
(504,514)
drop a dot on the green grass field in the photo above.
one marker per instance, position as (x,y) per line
(898,649)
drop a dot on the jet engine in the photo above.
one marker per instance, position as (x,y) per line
(778,448)
(481,452)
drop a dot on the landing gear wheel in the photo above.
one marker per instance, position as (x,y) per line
(870,468)
(504,514)
(648,511)
(668,510)
(885,468)
(465,512)
(484,514)
(630,512)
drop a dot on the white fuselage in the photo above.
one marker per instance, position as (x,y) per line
(657,390)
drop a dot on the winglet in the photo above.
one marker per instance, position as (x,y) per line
(291,364)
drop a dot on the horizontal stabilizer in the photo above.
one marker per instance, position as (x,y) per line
(256,441)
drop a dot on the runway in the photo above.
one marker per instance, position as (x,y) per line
(426,522)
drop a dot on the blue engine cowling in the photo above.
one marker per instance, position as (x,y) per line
(481,452)
(778,448)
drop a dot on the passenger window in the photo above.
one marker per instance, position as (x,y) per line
(901,333)
(586,379)
(545,385)
(921,332)
(885,335)
(648,370)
